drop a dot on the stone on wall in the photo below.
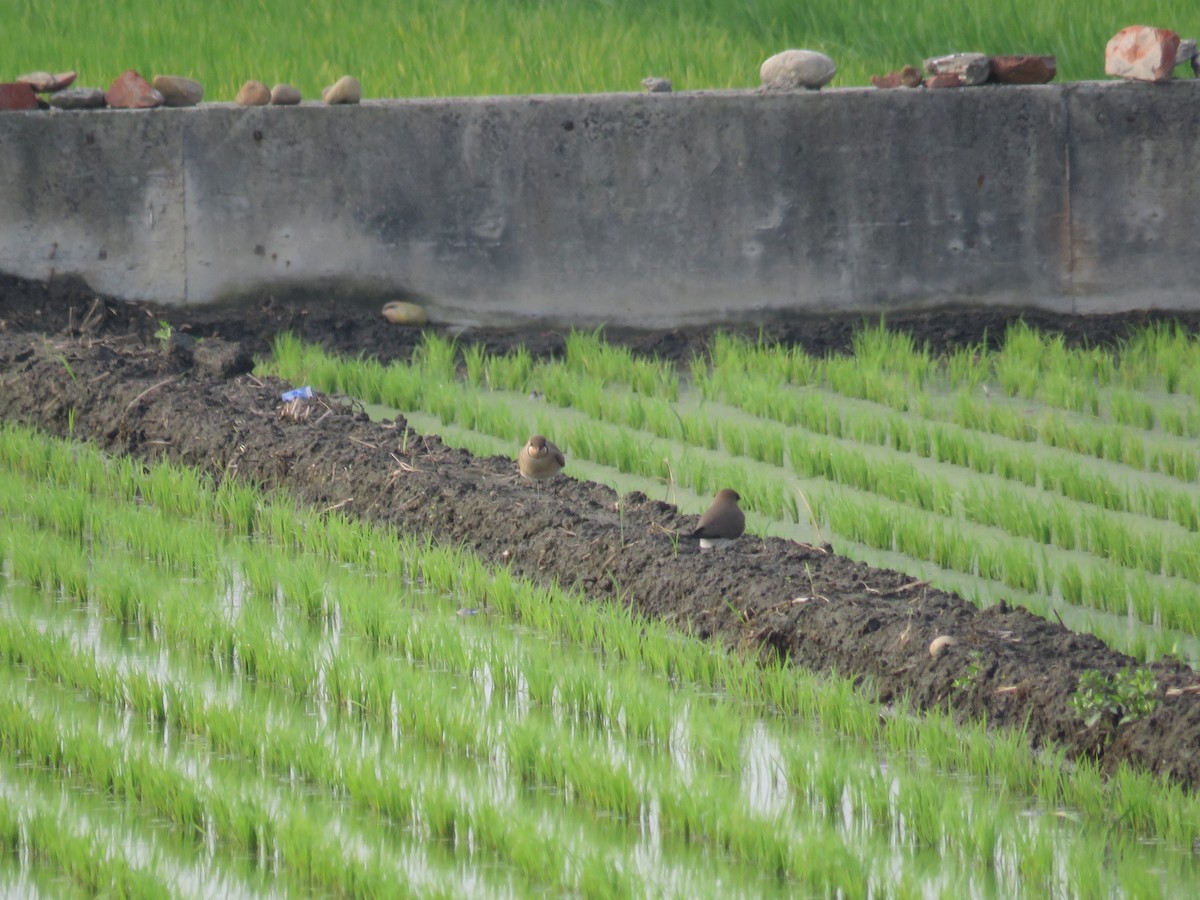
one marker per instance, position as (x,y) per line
(794,69)
(1142,53)
(971,68)
(1023,69)
(179,91)
(132,91)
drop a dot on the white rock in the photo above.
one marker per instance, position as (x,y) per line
(794,69)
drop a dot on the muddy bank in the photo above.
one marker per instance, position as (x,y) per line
(68,360)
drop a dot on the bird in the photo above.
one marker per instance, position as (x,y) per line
(722,523)
(539,459)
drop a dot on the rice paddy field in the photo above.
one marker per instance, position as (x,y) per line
(212,690)
(460,47)
(212,685)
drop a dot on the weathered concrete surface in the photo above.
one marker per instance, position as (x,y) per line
(631,209)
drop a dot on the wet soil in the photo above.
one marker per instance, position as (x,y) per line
(74,363)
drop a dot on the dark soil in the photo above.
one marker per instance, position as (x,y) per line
(71,360)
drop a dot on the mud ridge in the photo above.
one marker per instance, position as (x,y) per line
(92,373)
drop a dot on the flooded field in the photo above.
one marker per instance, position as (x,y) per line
(197,701)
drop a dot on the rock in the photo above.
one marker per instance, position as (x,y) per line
(945,80)
(17,95)
(78,98)
(1187,53)
(654,85)
(132,91)
(940,643)
(179,91)
(1022,69)
(794,69)
(399,312)
(345,90)
(971,68)
(909,77)
(253,93)
(1142,53)
(285,95)
(45,83)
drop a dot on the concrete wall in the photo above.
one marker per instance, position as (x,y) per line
(627,209)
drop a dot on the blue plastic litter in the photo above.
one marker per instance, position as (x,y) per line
(298,394)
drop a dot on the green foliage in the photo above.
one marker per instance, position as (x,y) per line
(1127,695)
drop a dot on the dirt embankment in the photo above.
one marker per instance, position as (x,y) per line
(69,361)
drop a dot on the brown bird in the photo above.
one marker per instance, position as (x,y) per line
(539,459)
(723,522)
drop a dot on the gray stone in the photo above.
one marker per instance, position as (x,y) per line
(1187,53)
(794,69)
(971,68)
(77,98)
(655,85)
(178,91)
(345,90)
(285,95)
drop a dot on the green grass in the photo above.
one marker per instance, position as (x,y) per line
(455,47)
(240,702)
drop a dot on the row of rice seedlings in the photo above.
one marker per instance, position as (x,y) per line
(1018,564)
(240,725)
(887,368)
(592,356)
(1136,544)
(380,774)
(201,798)
(560,768)
(672,655)
(50,835)
(1056,471)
